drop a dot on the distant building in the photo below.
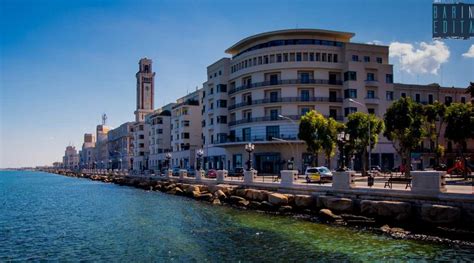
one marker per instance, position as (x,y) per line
(71,158)
(159,123)
(87,154)
(101,149)
(120,146)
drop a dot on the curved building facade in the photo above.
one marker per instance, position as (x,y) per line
(276,77)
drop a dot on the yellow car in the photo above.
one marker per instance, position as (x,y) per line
(318,174)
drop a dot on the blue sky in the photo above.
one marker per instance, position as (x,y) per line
(64,63)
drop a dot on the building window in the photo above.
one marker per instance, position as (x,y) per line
(318,56)
(333,113)
(379,60)
(298,56)
(417,97)
(366,59)
(335,58)
(371,94)
(349,110)
(430,98)
(448,100)
(274,96)
(463,100)
(285,57)
(273,132)
(389,78)
(370,77)
(246,134)
(221,119)
(403,95)
(323,58)
(389,95)
(350,75)
(304,77)
(304,110)
(221,88)
(278,58)
(222,103)
(304,95)
(311,56)
(371,110)
(355,58)
(159,131)
(350,94)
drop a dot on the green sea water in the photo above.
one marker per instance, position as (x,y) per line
(51,217)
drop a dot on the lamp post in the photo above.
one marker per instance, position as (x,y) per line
(249,147)
(168,157)
(296,124)
(110,164)
(342,139)
(199,153)
(370,144)
(120,160)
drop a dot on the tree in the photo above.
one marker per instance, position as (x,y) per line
(435,117)
(460,125)
(358,128)
(319,134)
(404,127)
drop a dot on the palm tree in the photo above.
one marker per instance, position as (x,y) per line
(470,90)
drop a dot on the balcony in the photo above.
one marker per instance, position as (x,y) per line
(371,82)
(272,118)
(285,82)
(372,100)
(260,139)
(284,100)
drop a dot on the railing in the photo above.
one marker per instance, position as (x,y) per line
(262,138)
(285,82)
(273,118)
(284,99)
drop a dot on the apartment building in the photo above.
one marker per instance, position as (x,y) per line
(120,146)
(159,123)
(427,94)
(87,154)
(214,111)
(185,127)
(70,158)
(274,78)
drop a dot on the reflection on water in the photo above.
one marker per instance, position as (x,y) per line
(45,216)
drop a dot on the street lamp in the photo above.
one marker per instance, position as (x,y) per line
(370,144)
(110,164)
(296,124)
(342,139)
(120,160)
(199,154)
(168,157)
(249,147)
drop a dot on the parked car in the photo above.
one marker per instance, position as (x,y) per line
(211,173)
(318,174)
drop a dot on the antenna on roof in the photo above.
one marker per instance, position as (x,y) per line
(104,119)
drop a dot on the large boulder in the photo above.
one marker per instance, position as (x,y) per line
(205,197)
(256,195)
(303,201)
(440,214)
(240,192)
(277,199)
(219,194)
(327,215)
(285,209)
(267,206)
(399,211)
(235,199)
(336,203)
(223,187)
(191,189)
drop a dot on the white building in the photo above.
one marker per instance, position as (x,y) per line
(159,123)
(87,154)
(71,158)
(185,127)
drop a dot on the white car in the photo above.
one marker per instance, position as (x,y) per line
(317,174)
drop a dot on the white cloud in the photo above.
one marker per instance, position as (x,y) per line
(469,53)
(375,42)
(427,58)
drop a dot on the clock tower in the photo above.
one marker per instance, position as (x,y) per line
(145,89)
